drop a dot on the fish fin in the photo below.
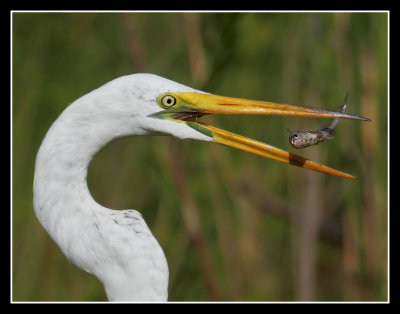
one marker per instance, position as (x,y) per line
(343,104)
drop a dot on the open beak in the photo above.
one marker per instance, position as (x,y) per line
(188,106)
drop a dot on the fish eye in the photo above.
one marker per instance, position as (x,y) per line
(168,101)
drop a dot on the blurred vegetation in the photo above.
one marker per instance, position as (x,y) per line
(234,226)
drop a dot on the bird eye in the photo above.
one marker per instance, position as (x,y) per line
(168,101)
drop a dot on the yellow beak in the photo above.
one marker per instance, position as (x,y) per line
(187,107)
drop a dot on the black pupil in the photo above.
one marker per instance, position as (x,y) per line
(168,101)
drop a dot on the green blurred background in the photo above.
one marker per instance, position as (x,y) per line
(233,226)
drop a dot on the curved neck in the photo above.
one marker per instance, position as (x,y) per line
(61,195)
(65,154)
(98,240)
(60,191)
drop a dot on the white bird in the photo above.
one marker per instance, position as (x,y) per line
(116,246)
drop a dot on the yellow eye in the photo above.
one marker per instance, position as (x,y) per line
(168,101)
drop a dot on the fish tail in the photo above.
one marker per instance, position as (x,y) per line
(342,107)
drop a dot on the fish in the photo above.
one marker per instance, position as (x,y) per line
(303,138)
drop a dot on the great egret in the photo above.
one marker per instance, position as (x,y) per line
(117,246)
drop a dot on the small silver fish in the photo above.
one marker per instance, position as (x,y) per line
(303,138)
